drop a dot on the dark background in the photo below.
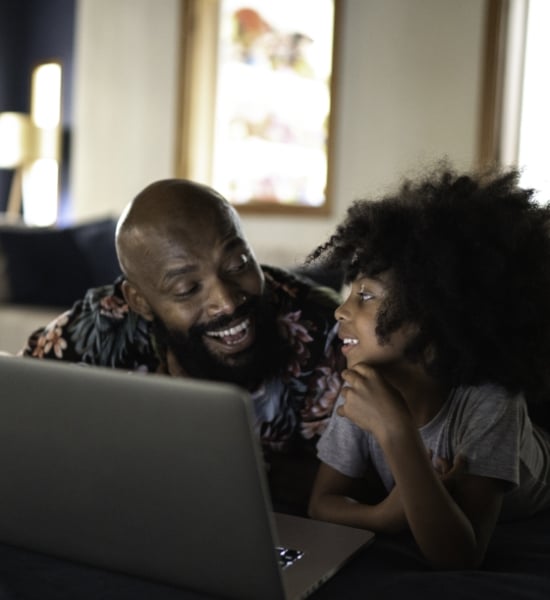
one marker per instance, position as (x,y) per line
(33,31)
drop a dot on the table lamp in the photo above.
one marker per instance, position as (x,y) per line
(31,144)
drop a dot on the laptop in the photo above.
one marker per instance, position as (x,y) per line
(153,476)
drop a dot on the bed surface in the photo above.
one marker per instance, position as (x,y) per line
(517,566)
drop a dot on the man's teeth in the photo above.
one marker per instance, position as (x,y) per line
(231,331)
(351,341)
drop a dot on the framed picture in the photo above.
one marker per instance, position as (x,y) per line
(257,98)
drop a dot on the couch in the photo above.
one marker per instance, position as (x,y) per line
(43,270)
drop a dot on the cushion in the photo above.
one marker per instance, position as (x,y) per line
(54,266)
(96,241)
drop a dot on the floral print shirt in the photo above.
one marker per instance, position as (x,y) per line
(293,408)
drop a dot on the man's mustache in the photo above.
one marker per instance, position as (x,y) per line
(249,306)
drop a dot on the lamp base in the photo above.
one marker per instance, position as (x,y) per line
(13,208)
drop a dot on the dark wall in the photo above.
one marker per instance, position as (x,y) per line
(33,31)
(13,54)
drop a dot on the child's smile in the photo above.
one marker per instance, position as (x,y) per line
(348,343)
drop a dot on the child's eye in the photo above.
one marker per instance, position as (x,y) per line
(364,295)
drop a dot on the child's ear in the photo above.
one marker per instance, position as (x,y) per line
(136,301)
(429,354)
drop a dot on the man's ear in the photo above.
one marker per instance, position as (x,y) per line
(136,301)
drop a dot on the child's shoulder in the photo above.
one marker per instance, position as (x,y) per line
(487,400)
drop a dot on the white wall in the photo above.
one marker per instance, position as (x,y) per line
(125,94)
(409,93)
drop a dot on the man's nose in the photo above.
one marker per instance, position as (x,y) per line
(223,299)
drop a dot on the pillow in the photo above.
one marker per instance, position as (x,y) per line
(96,241)
(50,266)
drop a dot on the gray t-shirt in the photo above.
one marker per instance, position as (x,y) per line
(487,425)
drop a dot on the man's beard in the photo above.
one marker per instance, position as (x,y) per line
(263,359)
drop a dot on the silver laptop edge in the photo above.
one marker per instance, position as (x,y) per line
(146,474)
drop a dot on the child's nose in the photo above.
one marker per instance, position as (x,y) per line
(341,313)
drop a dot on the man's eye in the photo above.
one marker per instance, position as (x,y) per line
(186,292)
(239,263)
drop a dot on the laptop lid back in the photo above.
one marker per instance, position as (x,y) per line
(163,478)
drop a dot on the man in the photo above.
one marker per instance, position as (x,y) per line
(194,302)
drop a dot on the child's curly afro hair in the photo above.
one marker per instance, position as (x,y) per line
(469,259)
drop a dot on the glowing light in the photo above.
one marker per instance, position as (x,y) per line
(535,118)
(15,139)
(40,190)
(46,96)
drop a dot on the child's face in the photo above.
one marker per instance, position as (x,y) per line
(357,318)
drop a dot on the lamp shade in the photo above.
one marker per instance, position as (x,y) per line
(16,139)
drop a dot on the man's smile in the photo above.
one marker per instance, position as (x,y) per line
(236,337)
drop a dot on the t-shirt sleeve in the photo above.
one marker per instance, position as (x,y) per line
(490,432)
(344,446)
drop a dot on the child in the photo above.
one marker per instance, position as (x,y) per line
(446,333)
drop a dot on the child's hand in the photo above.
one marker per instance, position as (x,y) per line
(370,402)
(450,473)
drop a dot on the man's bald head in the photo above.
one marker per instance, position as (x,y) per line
(191,274)
(168,209)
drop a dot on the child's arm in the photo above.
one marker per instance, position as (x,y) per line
(335,498)
(332,499)
(451,531)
